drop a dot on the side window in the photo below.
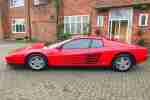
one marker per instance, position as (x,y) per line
(96,44)
(77,44)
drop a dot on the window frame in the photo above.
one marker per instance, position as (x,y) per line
(76,40)
(36,2)
(146,20)
(14,25)
(76,22)
(100,21)
(15,5)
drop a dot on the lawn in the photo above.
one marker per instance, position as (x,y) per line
(148,61)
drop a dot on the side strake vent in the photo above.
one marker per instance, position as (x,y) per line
(92,59)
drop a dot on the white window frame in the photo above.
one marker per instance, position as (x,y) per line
(81,22)
(100,21)
(16,3)
(22,22)
(36,2)
(146,20)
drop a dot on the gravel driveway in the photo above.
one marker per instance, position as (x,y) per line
(57,84)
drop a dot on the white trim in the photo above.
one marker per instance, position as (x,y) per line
(130,23)
(129,37)
(146,20)
(100,21)
(13,24)
(74,20)
(14,3)
(36,2)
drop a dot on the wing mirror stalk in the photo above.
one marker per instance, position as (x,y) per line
(59,48)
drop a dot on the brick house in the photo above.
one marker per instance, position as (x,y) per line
(116,18)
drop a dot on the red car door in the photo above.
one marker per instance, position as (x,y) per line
(73,53)
(95,52)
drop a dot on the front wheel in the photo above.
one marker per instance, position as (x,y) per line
(37,62)
(122,63)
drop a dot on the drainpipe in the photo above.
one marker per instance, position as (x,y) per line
(28,18)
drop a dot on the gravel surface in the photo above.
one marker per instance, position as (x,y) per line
(19,83)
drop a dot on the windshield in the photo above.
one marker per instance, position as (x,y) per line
(58,44)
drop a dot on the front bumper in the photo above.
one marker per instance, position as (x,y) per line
(14,59)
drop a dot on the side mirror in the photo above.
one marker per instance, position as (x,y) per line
(59,47)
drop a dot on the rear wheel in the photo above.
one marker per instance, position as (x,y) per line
(122,63)
(37,62)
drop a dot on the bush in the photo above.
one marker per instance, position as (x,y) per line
(141,42)
(65,36)
(84,33)
(34,39)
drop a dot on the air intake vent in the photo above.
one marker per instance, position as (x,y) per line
(92,59)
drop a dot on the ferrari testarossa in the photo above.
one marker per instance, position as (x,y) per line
(86,51)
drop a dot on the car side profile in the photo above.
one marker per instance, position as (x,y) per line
(87,51)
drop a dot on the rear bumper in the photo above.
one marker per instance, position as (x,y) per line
(143,59)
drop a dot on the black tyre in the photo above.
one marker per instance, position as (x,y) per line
(37,62)
(122,63)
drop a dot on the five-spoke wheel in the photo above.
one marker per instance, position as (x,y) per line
(37,62)
(122,63)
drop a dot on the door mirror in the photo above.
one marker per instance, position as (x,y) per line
(59,47)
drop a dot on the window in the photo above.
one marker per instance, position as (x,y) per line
(76,24)
(40,2)
(96,44)
(100,21)
(16,3)
(18,25)
(143,20)
(36,2)
(77,44)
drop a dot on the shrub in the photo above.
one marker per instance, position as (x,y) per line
(34,39)
(141,42)
(65,36)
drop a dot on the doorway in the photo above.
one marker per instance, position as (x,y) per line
(119,30)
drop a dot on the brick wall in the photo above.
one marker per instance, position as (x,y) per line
(43,18)
(81,7)
(136,15)
(136,27)
(43,22)
(103,29)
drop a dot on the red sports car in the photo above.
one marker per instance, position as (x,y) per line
(80,51)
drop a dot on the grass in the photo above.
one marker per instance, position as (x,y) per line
(6,50)
(148,61)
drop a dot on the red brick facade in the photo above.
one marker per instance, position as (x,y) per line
(43,17)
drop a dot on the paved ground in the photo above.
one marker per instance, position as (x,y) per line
(24,84)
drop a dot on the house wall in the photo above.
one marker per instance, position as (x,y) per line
(43,22)
(43,27)
(136,26)
(17,12)
(3,19)
(146,29)
(1,28)
(81,7)
(43,18)
(103,29)
(135,23)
